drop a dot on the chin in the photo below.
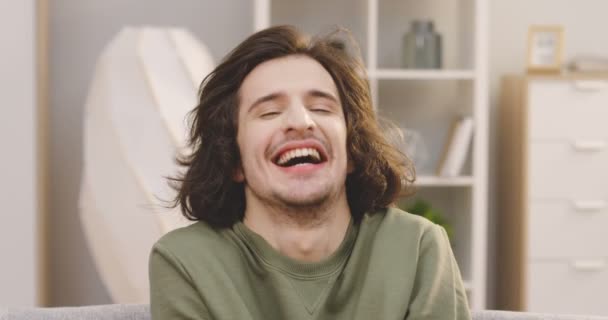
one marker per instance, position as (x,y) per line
(307,199)
(306,202)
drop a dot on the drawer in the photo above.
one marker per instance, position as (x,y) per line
(572,287)
(568,109)
(568,229)
(571,170)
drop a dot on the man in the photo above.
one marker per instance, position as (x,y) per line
(290,180)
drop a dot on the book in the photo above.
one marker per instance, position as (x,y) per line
(456,148)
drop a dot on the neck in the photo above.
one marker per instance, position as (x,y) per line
(309,240)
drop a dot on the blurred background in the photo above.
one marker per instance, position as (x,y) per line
(502,105)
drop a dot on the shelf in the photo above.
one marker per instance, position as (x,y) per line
(435,181)
(454,21)
(413,74)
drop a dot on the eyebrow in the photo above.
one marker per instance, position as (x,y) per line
(323,94)
(262,99)
(277,95)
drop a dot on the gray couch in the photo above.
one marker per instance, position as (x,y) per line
(141,312)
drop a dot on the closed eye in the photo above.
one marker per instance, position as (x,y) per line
(319,109)
(269,115)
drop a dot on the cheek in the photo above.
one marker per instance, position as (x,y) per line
(253,144)
(342,136)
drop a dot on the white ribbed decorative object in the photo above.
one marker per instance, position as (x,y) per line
(144,84)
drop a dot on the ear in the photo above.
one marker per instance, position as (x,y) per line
(238,175)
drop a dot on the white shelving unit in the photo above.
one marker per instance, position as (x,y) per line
(435,181)
(400,74)
(424,100)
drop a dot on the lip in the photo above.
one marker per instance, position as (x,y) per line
(302,170)
(308,143)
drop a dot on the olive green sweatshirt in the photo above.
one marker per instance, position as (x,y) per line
(391,265)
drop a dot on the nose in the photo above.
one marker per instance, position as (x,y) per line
(298,118)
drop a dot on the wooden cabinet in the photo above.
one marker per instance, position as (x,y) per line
(553,187)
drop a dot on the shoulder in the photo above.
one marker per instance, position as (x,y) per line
(394,224)
(192,242)
(395,220)
(432,273)
(196,231)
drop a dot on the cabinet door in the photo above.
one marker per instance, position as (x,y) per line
(22,158)
(567,229)
(569,287)
(568,170)
(563,109)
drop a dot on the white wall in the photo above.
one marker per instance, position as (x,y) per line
(78,32)
(584,23)
(18,194)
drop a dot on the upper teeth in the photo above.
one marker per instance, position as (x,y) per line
(302,152)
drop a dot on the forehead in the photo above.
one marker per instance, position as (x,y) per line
(290,75)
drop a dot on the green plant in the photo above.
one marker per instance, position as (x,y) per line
(424,209)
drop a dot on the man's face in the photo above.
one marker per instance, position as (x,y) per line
(291,134)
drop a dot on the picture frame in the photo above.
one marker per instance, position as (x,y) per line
(545,49)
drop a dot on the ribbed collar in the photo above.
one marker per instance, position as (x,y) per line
(274,259)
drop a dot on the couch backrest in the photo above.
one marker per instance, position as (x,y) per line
(101,312)
(142,312)
(506,315)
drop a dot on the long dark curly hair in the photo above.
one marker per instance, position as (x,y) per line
(207,190)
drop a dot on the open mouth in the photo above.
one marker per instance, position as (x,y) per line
(299,157)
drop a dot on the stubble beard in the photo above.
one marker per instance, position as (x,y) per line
(302,212)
